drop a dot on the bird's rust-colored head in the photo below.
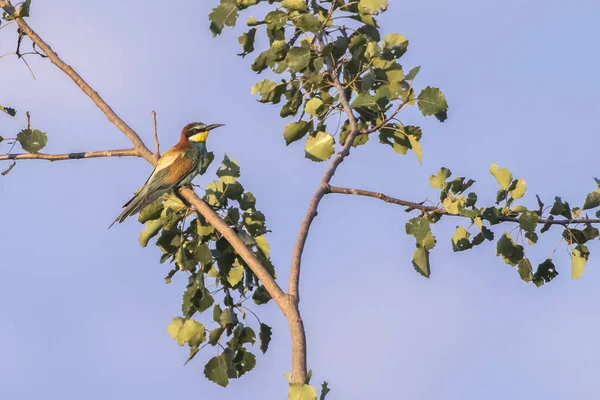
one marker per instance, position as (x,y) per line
(197,131)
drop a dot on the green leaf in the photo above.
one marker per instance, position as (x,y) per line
(592,200)
(460,239)
(528,221)
(431,101)
(511,252)
(307,22)
(235,275)
(270,92)
(247,42)
(324,391)
(151,212)
(560,208)
(225,14)
(254,221)
(372,6)
(262,245)
(216,369)
(193,352)
(315,107)
(294,5)
(574,236)
(302,391)
(545,273)
(502,175)
(265,337)
(295,131)
(418,227)
(298,58)
(10,111)
(174,327)
(261,296)
(23,11)
(244,361)
(421,261)
(412,74)
(532,238)
(229,171)
(579,258)
(438,181)
(32,140)
(525,270)
(319,147)
(228,318)
(202,254)
(416,146)
(7,170)
(215,335)
(519,189)
(150,230)
(454,205)
(395,45)
(364,100)
(191,332)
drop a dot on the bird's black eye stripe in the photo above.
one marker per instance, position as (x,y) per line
(192,132)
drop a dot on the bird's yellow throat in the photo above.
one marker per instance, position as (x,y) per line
(199,137)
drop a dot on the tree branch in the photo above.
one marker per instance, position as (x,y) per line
(156,143)
(139,145)
(293,288)
(287,306)
(441,211)
(71,156)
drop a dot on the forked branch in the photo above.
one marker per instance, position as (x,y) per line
(311,213)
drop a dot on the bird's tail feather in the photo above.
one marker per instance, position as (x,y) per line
(133,206)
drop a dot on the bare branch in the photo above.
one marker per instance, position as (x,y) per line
(293,288)
(71,156)
(156,144)
(441,211)
(87,89)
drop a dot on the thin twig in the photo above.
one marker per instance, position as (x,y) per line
(71,156)
(28,67)
(86,88)
(392,116)
(156,144)
(441,211)
(28,119)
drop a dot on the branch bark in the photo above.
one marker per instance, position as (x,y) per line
(441,211)
(71,156)
(294,283)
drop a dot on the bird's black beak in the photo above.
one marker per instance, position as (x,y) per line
(213,126)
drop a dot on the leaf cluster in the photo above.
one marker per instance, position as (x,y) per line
(306,47)
(218,279)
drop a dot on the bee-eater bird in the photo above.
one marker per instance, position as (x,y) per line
(176,167)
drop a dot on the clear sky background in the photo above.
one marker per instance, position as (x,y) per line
(83,310)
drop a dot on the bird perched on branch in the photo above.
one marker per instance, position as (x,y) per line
(176,167)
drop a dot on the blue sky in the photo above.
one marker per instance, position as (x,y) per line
(84,310)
